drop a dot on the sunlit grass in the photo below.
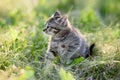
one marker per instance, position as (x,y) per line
(23,44)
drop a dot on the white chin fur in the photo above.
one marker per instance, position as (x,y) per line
(49,33)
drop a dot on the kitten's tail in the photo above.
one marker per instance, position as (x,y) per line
(90,50)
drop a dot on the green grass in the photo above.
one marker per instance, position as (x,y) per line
(23,44)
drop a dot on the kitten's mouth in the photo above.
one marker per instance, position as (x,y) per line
(44,29)
(46,32)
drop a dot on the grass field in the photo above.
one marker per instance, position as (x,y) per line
(23,44)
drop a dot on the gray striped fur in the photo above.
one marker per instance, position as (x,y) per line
(65,40)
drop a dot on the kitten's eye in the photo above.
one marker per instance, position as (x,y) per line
(53,27)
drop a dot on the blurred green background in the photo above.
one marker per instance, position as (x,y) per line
(23,44)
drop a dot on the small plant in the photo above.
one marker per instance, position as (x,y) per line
(65,75)
(23,44)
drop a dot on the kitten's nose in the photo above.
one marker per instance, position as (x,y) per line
(44,29)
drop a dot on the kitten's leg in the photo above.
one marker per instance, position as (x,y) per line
(71,49)
(51,54)
(48,64)
(49,57)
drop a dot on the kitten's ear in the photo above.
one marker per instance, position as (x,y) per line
(63,21)
(57,14)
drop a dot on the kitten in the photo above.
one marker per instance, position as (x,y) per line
(65,41)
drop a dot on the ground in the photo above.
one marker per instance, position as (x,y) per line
(23,43)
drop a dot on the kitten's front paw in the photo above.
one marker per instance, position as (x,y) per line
(49,56)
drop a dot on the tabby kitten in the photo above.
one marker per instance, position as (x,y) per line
(65,40)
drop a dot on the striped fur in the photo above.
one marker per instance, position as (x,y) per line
(66,41)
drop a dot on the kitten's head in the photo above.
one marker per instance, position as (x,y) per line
(55,24)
